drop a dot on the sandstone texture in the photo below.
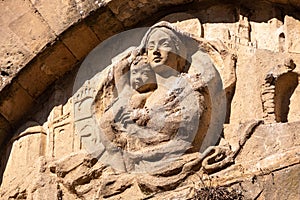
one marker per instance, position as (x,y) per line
(62,67)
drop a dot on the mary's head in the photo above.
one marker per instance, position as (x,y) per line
(165,49)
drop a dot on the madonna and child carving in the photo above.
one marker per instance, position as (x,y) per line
(153,105)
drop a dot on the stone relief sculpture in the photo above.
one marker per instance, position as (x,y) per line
(152,119)
(155,104)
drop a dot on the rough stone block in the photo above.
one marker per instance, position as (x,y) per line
(14,55)
(16,104)
(267,96)
(80,40)
(57,60)
(105,25)
(45,69)
(269,104)
(131,12)
(116,6)
(12,10)
(21,21)
(122,10)
(57,13)
(284,184)
(34,80)
(47,192)
(270,139)
(139,14)
(86,6)
(32,31)
(68,163)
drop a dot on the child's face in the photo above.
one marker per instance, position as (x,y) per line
(142,78)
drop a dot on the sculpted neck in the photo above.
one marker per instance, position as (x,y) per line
(166,81)
(165,74)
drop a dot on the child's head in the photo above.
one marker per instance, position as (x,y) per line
(142,77)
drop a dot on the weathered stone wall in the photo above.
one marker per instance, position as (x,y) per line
(44,42)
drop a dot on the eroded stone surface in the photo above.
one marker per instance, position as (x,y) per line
(254,49)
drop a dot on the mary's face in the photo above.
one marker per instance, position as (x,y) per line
(161,51)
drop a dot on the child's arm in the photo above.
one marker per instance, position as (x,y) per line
(122,69)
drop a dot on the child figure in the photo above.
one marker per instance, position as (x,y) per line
(142,80)
(138,81)
(142,77)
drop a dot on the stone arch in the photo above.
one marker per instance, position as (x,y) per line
(284,88)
